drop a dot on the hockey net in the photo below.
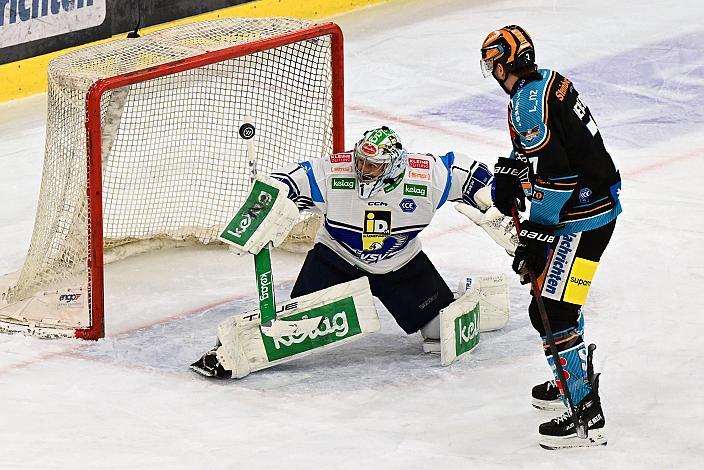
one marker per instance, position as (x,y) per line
(142,150)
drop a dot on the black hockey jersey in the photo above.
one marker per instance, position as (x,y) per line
(575,181)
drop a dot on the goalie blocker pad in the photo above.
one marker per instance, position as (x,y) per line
(345,312)
(267,215)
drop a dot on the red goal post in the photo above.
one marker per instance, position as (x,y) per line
(307,117)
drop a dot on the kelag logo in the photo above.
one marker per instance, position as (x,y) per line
(415,190)
(338,321)
(343,183)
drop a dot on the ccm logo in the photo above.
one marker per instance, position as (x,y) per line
(343,158)
(541,237)
(418,163)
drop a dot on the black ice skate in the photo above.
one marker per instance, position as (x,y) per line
(546,396)
(209,366)
(559,433)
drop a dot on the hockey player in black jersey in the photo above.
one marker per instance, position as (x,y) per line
(559,163)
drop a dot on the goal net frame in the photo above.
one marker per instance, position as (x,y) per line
(94,297)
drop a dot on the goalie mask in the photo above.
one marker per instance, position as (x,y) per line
(379,159)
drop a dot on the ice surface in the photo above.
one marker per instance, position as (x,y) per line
(129,400)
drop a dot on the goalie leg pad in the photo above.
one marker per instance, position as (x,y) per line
(459,326)
(493,300)
(346,313)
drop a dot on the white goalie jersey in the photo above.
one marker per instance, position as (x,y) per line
(380,234)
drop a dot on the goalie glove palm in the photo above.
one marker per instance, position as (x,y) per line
(500,228)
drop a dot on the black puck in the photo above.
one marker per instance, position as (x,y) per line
(247,131)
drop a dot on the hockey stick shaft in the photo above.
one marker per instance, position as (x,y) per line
(262,260)
(580,429)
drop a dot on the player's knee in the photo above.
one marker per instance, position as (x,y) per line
(561,315)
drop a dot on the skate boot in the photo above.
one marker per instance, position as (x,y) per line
(546,396)
(209,366)
(560,433)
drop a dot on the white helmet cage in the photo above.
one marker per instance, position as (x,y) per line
(378,146)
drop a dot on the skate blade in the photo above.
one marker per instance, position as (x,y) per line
(198,369)
(597,437)
(431,347)
(548,405)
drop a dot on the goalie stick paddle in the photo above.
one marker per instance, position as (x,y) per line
(262,264)
(579,425)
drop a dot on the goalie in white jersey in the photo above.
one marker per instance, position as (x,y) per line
(375,201)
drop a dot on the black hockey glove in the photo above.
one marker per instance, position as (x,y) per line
(534,242)
(508,175)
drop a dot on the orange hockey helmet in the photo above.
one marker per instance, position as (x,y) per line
(510,46)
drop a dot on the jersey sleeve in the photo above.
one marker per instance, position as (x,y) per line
(306,183)
(463,177)
(532,126)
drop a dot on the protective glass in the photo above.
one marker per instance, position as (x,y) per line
(489,53)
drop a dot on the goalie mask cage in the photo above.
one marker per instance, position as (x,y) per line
(142,144)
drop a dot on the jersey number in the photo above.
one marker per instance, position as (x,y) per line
(582,111)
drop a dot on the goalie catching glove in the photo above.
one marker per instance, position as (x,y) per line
(500,228)
(267,215)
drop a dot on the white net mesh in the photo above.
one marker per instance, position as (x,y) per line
(173,164)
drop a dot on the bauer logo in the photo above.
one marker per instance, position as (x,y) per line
(341,158)
(419,163)
(467,331)
(343,183)
(71,299)
(415,190)
(338,321)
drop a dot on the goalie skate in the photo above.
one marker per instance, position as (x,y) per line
(209,366)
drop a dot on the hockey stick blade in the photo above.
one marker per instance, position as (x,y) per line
(279,328)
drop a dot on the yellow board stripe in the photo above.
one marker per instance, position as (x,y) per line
(28,77)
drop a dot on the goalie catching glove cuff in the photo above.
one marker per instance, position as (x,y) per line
(510,177)
(534,241)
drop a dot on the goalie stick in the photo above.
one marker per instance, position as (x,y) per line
(579,425)
(262,262)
